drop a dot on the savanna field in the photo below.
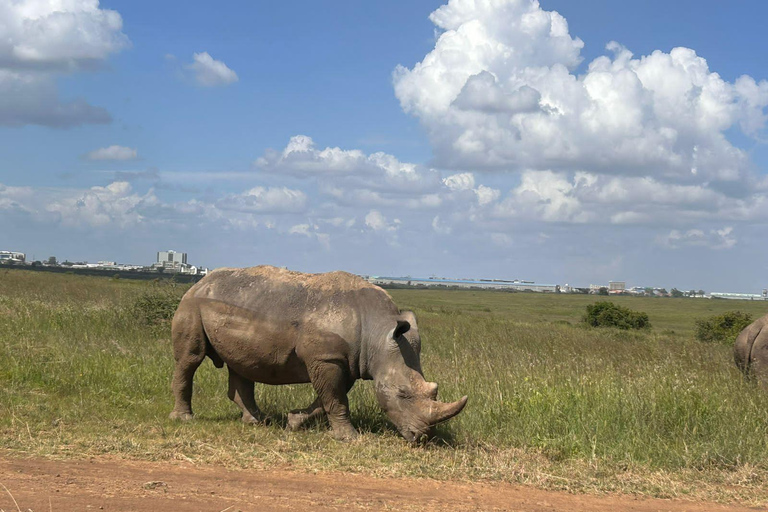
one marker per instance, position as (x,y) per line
(86,363)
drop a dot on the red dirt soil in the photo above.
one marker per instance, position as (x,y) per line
(105,484)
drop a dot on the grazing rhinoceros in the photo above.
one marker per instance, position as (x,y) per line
(275,326)
(751,350)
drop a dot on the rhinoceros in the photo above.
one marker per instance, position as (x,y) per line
(751,350)
(276,326)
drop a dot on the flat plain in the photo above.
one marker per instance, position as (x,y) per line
(86,371)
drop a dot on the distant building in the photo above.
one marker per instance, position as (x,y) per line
(16,257)
(171,258)
(739,296)
(173,261)
(595,288)
(616,286)
(490,284)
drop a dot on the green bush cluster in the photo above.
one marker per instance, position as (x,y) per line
(608,314)
(723,328)
(156,306)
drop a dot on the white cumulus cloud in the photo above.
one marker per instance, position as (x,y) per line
(210,72)
(715,239)
(378,222)
(40,39)
(265,200)
(498,91)
(113,152)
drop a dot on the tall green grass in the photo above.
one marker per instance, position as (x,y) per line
(551,403)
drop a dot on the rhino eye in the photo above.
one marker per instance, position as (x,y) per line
(404,394)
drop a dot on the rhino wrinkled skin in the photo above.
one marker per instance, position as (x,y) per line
(751,350)
(275,326)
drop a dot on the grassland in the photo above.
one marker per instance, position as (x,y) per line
(552,404)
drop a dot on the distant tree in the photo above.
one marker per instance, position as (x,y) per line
(722,328)
(663,292)
(608,314)
(648,291)
(692,293)
(52,260)
(676,293)
(701,293)
(602,291)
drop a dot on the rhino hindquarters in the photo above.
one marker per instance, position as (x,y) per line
(759,358)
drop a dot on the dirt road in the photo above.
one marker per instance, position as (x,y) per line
(102,484)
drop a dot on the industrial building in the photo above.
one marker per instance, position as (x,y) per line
(740,296)
(488,284)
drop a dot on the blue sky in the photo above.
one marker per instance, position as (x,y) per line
(467,139)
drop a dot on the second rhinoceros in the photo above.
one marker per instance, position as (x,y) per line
(276,326)
(751,350)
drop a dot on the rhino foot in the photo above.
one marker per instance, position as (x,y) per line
(300,418)
(345,434)
(181,416)
(261,419)
(297,420)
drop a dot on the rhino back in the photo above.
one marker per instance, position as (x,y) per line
(265,321)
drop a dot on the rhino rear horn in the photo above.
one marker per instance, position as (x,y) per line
(430,390)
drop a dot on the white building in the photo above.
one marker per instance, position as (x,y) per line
(616,286)
(488,284)
(171,259)
(16,257)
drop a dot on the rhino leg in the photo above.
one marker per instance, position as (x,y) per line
(189,343)
(331,382)
(241,392)
(301,417)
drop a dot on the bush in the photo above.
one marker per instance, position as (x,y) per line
(722,328)
(608,314)
(156,307)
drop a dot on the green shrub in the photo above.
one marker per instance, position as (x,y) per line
(608,314)
(722,328)
(157,306)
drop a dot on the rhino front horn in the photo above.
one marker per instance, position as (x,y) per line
(440,411)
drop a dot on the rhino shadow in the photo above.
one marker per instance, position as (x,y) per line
(443,436)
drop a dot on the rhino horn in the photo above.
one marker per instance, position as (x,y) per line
(440,411)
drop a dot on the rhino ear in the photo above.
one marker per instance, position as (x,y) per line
(402,328)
